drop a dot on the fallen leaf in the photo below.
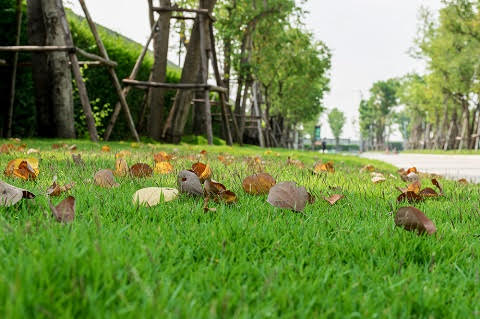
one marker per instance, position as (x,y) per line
(413,219)
(163,167)
(214,188)
(258,184)
(105,148)
(123,154)
(288,195)
(55,189)
(324,167)
(152,196)
(203,171)
(58,146)
(141,170)
(226,160)
(411,197)
(203,152)
(10,195)
(121,167)
(437,184)
(188,182)
(367,168)
(411,170)
(414,187)
(72,148)
(32,151)
(228,197)
(6,148)
(334,198)
(378,179)
(162,157)
(64,212)
(295,162)
(462,181)
(25,168)
(412,177)
(105,178)
(428,192)
(77,159)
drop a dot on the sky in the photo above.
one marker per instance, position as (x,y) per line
(369,40)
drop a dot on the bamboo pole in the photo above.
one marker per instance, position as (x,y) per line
(37,48)
(204,71)
(113,74)
(14,69)
(82,89)
(96,58)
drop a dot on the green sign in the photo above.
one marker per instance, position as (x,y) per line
(317,133)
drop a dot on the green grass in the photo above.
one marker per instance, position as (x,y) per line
(249,260)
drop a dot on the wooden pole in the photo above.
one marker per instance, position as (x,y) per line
(82,89)
(259,114)
(126,90)
(96,58)
(113,74)
(204,71)
(14,70)
(36,48)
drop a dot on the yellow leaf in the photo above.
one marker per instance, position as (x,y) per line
(25,168)
(163,167)
(123,154)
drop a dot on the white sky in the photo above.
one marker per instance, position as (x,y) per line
(369,40)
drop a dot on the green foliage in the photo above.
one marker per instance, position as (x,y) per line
(201,140)
(336,120)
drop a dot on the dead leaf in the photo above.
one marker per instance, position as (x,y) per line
(228,197)
(64,212)
(203,171)
(437,184)
(6,148)
(162,157)
(203,153)
(414,187)
(288,195)
(295,162)
(152,196)
(141,170)
(214,188)
(105,178)
(411,197)
(55,189)
(412,177)
(258,184)
(25,168)
(32,151)
(378,179)
(226,160)
(163,167)
(367,168)
(428,192)
(334,198)
(10,195)
(411,170)
(105,148)
(77,159)
(72,148)
(188,182)
(413,219)
(123,154)
(462,181)
(121,167)
(324,167)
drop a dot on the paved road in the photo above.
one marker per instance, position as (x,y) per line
(450,166)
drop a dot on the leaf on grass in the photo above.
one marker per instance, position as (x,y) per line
(55,189)
(258,184)
(162,157)
(462,181)
(141,170)
(152,196)
(295,162)
(428,192)
(188,182)
(414,187)
(378,179)
(324,167)
(6,148)
(437,184)
(228,197)
(367,168)
(10,195)
(163,167)
(105,178)
(411,170)
(288,195)
(226,160)
(203,171)
(25,168)
(203,153)
(413,219)
(64,212)
(214,188)
(334,198)
(411,197)
(32,151)
(121,167)
(412,177)
(105,148)
(77,160)
(123,154)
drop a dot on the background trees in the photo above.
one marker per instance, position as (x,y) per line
(336,120)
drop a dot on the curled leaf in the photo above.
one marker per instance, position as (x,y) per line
(414,187)
(152,196)
(55,189)
(367,168)
(123,154)
(462,181)
(295,162)
(324,167)
(77,159)
(64,212)
(413,219)
(203,171)
(188,182)
(288,195)
(214,188)
(162,157)
(121,167)
(411,197)
(258,183)
(428,192)
(105,148)
(334,198)
(10,195)
(104,178)
(228,197)
(163,167)
(437,184)
(141,170)
(24,168)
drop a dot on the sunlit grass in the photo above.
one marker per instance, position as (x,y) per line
(244,260)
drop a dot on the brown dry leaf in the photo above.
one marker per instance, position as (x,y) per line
(258,184)
(64,212)
(72,148)
(213,187)
(25,168)
(378,179)
(10,195)
(188,182)
(105,178)
(203,153)
(152,196)
(6,148)
(123,154)
(462,181)
(226,160)
(58,146)
(121,167)
(203,171)
(228,197)
(413,219)
(32,151)
(437,184)
(77,159)
(411,170)
(428,192)
(334,198)
(162,157)
(295,162)
(163,168)
(141,170)
(367,168)
(288,195)
(324,167)
(414,187)
(105,148)
(411,197)
(55,189)
(255,163)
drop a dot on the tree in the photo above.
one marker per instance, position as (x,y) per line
(336,120)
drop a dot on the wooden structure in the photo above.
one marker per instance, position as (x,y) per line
(75,65)
(207,50)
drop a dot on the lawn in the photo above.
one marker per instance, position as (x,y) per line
(246,260)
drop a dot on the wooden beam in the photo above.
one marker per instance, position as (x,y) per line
(36,48)
(176,9)
(96,58)
(179,86)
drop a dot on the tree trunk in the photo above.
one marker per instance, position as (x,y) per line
(466,133)
(40,74)
(199,119)
(61,77)
(175,125)
(159,72)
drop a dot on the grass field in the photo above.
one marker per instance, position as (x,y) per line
(247,260)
